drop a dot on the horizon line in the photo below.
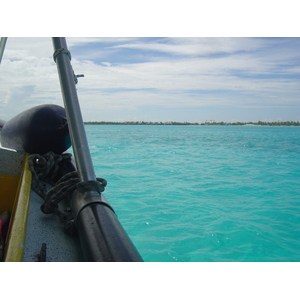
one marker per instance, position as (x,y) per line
(274,123)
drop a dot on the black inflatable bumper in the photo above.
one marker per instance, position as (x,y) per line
(38,130)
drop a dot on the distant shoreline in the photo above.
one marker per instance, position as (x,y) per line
(259,123)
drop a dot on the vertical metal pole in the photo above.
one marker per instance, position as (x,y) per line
(101,235)
(2,47)
(75,122)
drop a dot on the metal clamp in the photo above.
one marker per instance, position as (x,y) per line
(81,200)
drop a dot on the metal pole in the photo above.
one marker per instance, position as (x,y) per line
(75,122)
(101,235)
(2,47)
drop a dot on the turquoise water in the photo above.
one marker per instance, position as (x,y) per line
(203,193)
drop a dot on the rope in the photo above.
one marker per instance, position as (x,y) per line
(60,51)
(45,167)
(67,52)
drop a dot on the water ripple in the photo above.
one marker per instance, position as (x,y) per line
(203,193)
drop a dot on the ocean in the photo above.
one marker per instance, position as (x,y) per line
(203,193)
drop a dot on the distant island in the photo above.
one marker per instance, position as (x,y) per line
(259,123)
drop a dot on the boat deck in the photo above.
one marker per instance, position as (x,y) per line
(40,228)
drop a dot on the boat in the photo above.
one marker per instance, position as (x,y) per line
(52,207)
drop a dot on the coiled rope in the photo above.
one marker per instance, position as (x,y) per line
(45,168)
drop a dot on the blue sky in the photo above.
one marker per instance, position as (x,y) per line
(160,78)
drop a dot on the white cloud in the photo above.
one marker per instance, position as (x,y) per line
(185,74)
(79,41)
(209,71)
(199,46)
(28,46)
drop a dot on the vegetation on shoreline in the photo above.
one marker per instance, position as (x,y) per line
(139,123)
(259,123)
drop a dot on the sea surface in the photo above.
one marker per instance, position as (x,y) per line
(203,193)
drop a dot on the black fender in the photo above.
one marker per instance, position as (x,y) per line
(38,130)
(2,122)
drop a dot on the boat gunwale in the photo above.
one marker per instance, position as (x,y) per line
(17,231)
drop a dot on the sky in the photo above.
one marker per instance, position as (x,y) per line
(181,79)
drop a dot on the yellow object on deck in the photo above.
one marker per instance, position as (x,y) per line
(8,188)
(14,197)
